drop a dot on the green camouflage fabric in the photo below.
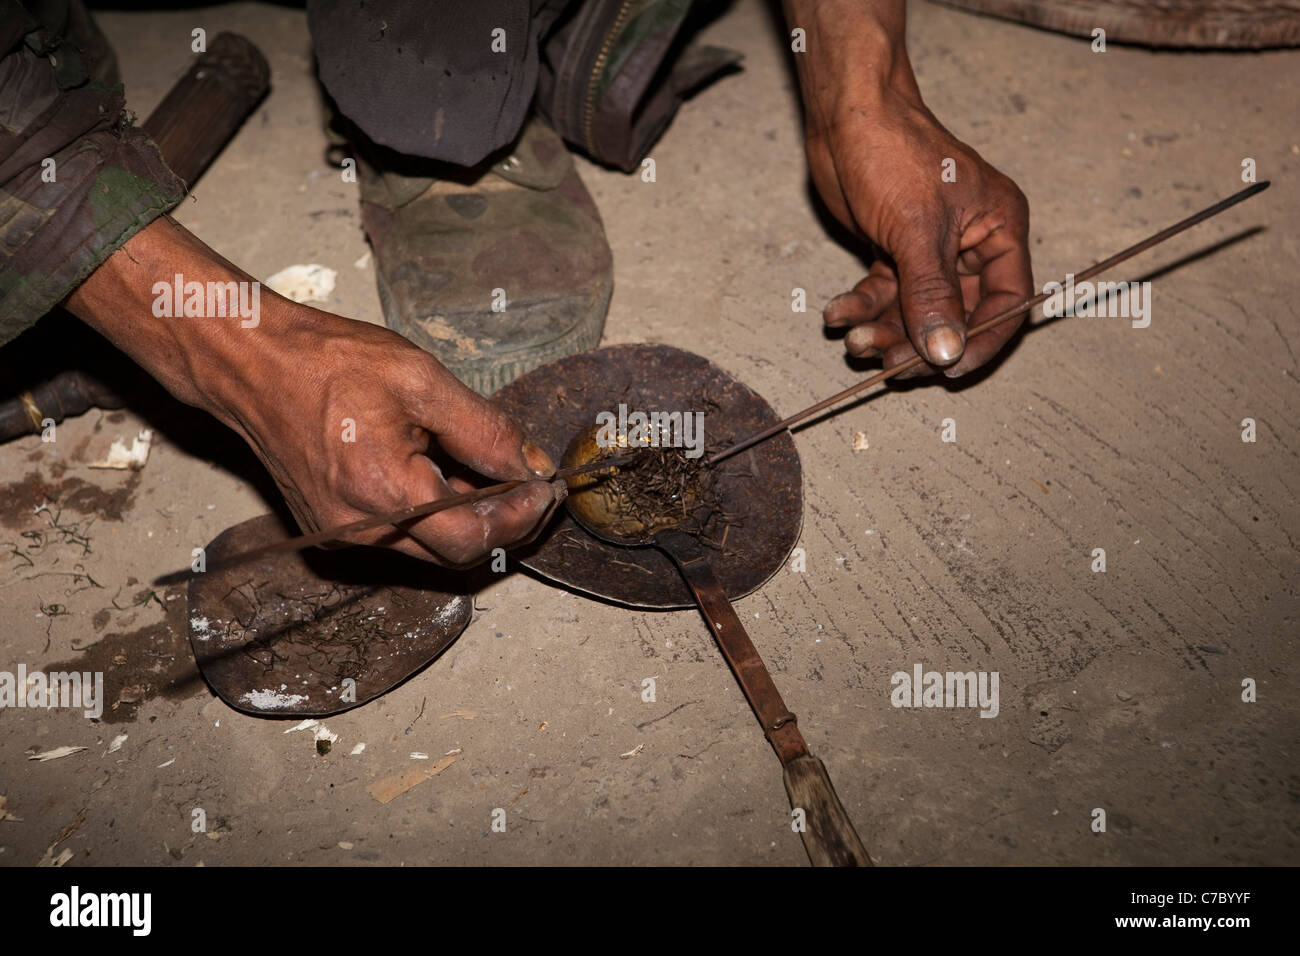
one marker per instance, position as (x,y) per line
(77,178)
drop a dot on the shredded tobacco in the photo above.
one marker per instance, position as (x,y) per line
(663,487)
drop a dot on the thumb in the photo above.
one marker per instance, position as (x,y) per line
(479,434)
(929,295)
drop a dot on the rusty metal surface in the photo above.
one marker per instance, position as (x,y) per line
(761,487)
(279,636)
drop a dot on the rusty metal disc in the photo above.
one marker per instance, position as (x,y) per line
(1210,24)
(284,635)
(760,490)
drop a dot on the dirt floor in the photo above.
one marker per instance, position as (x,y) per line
(1120,691)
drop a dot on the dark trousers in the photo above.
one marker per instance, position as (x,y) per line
(453,80)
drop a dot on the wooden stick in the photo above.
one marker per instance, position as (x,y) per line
(828,835)
(987,324)
(207,106)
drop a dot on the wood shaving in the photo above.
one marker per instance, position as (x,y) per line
(4,812)
(390,788)
(55,754)
(49,859)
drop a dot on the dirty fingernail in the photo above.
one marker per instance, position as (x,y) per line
(538,460)
(943,345)
(844,306)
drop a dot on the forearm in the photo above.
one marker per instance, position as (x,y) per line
(342,413)
(204,360)
(856,57)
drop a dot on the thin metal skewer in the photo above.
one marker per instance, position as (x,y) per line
(432,507)
(987,324)
(393,518)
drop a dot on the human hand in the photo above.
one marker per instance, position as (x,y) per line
(346,421)
(343,414)
(953,253)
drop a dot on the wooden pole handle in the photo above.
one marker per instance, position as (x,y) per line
(208,105)
(828,834)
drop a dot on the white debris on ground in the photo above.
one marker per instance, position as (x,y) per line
(358,749)
(55,754)
(632,753)
(121,457)
(860,442)
(203,629)
(272,700)
(307,724)
(449,613)
(304,283)
(116,745)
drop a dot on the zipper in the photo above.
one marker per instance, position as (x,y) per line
(589,107)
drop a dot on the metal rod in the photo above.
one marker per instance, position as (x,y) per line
(987,324)
(394,517)
(442,504)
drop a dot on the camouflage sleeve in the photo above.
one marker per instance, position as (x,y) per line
(77,178)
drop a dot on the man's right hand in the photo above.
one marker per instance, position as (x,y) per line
(342,413)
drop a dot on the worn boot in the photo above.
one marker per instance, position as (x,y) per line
(495,270)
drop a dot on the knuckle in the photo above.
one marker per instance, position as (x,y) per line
(455,549)
(929,285)
(504,435)
(461,556)
(1019,215)
(1015,205)
(365,483)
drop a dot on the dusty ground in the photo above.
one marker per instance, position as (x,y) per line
(1120,691)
